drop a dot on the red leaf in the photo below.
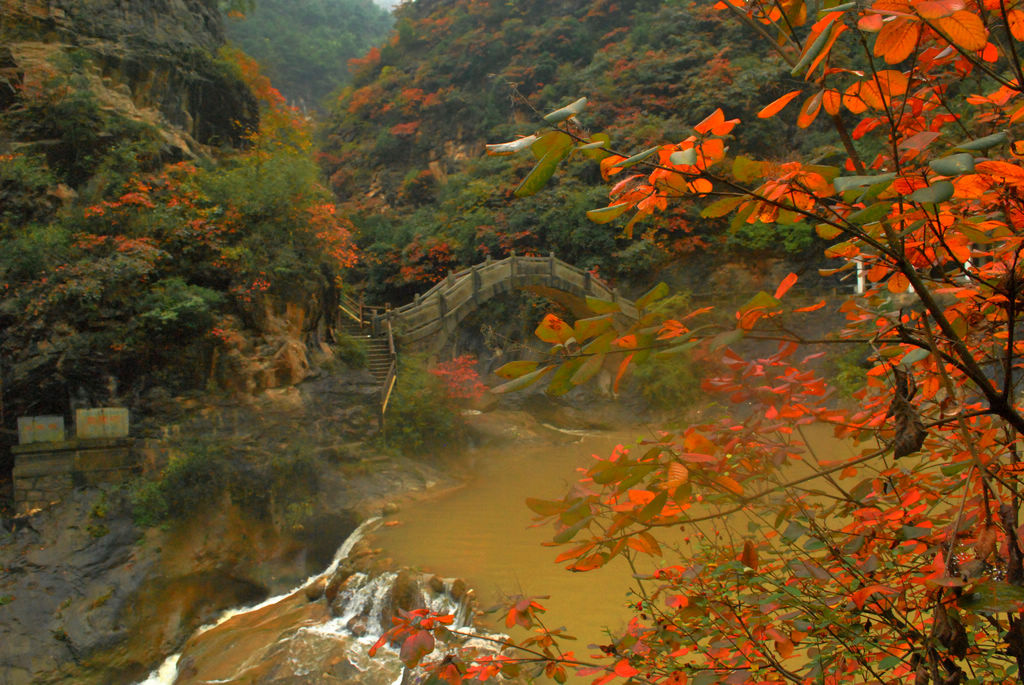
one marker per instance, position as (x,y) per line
(785,285)
(776,106)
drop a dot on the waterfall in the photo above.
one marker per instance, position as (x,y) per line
(166,673)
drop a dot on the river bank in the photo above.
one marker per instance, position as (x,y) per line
(88,595)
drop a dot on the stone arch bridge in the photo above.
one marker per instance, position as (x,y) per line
(427,323)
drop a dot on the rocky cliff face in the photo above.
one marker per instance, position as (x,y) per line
(151,62)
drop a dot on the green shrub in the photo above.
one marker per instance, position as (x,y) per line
(188,484)
(350,351)
(420,417)
(669,383)
(848,369)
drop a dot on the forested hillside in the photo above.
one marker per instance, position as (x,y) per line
(404,147)
(162,222)
(304,45)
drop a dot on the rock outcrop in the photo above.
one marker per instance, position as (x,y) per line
(151,62)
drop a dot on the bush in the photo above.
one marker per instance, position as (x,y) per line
(187,484)
(420,417)
(669,383)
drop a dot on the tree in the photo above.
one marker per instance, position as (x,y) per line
(903,562)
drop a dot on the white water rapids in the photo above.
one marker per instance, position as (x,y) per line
(167,672)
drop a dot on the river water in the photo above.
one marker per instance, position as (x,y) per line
(482,533)
(485,534)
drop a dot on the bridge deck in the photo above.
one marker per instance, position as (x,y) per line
(436,313)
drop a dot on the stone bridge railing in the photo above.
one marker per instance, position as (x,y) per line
(427,322)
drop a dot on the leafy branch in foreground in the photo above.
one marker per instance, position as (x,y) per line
(895,555)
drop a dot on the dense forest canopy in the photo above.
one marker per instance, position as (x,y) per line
(305,45)
(404,144)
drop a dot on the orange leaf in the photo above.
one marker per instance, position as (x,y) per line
(935,9)
(897,40)
(621,372)
(871,23)
(809,112)
(811,308)
(831,100)
(852,99)
(695,442)
(748,557)
(710,121)
(646,543)
(891,82)
(1015,20)
(965,29)
(898,283)
(837,30)
(701,185)
(785,285)
(730,484)
(776,106)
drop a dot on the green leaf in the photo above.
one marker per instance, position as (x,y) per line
(585,329)
(687,157)
(653,295)
(746,170)
(588,369)
(601,343)
(811,52)
(870,215)
(599,306)
(677,349)
(940,191)
(761,300)
(522,382)
(609,471)
(561,381)
(636,474)
(725,339)
(541,172)
(516,369)
(954,165)
(994,597)
(844,183)
(607,214)
(564,113)
(552,140)
(512,147)
(545,507)
(916,355)
(637,158)
(915,532)
(722,207)
(793,531)
(827,231)
(592,150)
(982,144)
(570,532)
(653,508)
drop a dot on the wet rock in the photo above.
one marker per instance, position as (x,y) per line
(459,589)
(436,584)
(316,590)
(357,626)
(389,509)
(405,595)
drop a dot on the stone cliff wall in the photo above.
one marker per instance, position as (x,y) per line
(150,61)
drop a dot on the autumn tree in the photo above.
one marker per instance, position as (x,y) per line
(774,562)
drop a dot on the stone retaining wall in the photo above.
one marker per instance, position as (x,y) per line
(45,472)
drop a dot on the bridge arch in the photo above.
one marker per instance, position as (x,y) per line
(427,323)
